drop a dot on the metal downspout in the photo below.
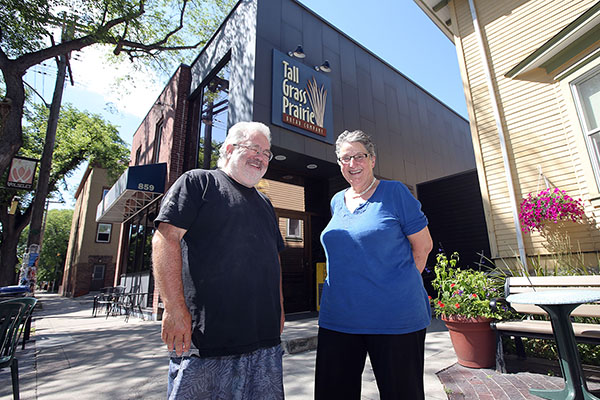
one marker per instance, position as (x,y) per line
(495,109)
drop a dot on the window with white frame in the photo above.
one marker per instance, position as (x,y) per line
(586,90)
(103,233)
(294,229)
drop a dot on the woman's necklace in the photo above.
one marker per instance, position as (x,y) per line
(367,189)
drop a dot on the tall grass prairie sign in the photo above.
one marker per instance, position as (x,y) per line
(301,99)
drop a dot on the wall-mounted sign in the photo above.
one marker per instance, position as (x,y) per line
(301,98)
(21,173)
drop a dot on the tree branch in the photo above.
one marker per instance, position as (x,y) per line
(158,45)
(102,35)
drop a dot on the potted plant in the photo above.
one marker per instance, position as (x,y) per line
(463,303)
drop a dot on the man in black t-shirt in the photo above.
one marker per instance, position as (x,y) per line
(215,255)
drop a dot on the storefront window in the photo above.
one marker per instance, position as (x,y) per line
(141,229)
(214,113)
(141,239)
(587,96)
(132,245)
(147,261)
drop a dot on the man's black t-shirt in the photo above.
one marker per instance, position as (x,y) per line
(230,260)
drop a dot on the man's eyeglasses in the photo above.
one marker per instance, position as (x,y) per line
(360,157)
(255,148)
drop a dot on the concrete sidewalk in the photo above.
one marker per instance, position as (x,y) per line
(75,356)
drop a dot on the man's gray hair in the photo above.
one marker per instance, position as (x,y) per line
(238,133)
(352,137)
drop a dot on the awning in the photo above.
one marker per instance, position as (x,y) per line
(135,189)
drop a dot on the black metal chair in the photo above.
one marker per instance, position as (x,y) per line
(28,306)
(11,316)
(102,300)
(116,301)
(132,302)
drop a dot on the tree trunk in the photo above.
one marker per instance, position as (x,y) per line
(8,256)
(12,226)
(11,132)
(41,192)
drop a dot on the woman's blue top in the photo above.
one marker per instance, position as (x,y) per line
(372,284)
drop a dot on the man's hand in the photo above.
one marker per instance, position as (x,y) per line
(177,330)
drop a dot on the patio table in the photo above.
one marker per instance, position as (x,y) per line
(559,304)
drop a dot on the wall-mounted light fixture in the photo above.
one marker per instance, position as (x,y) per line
(325,67)
(298,53)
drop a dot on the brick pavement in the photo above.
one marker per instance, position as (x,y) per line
(487,384)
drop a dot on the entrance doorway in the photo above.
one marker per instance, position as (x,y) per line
(98,277)
(295,260)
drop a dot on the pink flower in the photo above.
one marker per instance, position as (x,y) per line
(548,205)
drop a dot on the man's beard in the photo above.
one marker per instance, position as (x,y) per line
(249,175)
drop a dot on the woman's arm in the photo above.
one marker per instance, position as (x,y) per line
(421,244)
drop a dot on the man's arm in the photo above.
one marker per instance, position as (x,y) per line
(421,244)
(166,259)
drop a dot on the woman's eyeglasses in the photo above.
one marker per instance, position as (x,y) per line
(360,157)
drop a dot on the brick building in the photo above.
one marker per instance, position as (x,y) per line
(91,253)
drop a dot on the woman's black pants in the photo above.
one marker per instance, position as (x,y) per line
(397,361)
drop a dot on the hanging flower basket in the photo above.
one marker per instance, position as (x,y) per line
(549,205)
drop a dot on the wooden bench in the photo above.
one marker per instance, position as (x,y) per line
(584,332)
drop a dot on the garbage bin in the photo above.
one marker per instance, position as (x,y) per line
(14,291)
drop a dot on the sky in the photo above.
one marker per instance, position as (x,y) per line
(396,31)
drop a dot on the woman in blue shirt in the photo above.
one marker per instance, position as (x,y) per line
(373,299)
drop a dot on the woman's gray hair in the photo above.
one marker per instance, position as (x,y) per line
(352,137)
(238,133)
